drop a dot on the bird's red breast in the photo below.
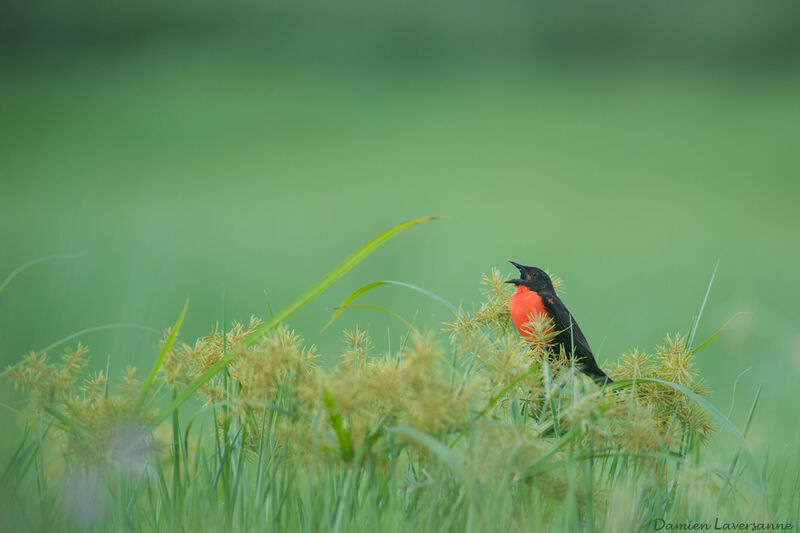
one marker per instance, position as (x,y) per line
(524,304)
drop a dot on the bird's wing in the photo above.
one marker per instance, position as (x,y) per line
(583,354)
(562,321)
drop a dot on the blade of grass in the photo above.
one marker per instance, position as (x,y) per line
(337,272)
(298,303)
(345,444)
(445,454)
(369,286)
(269,305)
(176,461)
(711,338)
(703,306)
(14,460)
(61,418)
(405,322)
(93,330)
(548,384)
(79,334)
(32,262)
(588,477)
(733,389)
(151,377)
(732,468)
(557,446)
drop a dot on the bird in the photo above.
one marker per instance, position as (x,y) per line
(535,295)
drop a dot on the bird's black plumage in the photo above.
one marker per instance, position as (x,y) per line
(568,333)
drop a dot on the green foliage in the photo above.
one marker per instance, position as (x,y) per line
(412,440)
(474,431)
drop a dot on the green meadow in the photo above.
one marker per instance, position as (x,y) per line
(238,179)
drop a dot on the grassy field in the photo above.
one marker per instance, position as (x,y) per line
(220,176)
(491,434)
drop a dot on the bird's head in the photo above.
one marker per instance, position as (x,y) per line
(532,278)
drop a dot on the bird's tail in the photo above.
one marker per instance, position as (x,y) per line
(602,379)
(589,367)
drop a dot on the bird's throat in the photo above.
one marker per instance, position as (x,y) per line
(525,304)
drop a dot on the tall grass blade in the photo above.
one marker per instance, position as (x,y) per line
(732,468)
(445,454)
(32,262)
(79,334)
(337,272)
(345,444)
(151,377)
(720,330)
(311,293)
(369,286)
(733,389)
(392,314)
(557,446)
(702,306)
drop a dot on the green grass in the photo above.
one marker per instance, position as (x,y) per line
(532,447)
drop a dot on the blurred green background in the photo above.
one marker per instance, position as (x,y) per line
(195,149)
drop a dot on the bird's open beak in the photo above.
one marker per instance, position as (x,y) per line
(520,267)
(515,281)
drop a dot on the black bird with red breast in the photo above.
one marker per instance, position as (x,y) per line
(535,295)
